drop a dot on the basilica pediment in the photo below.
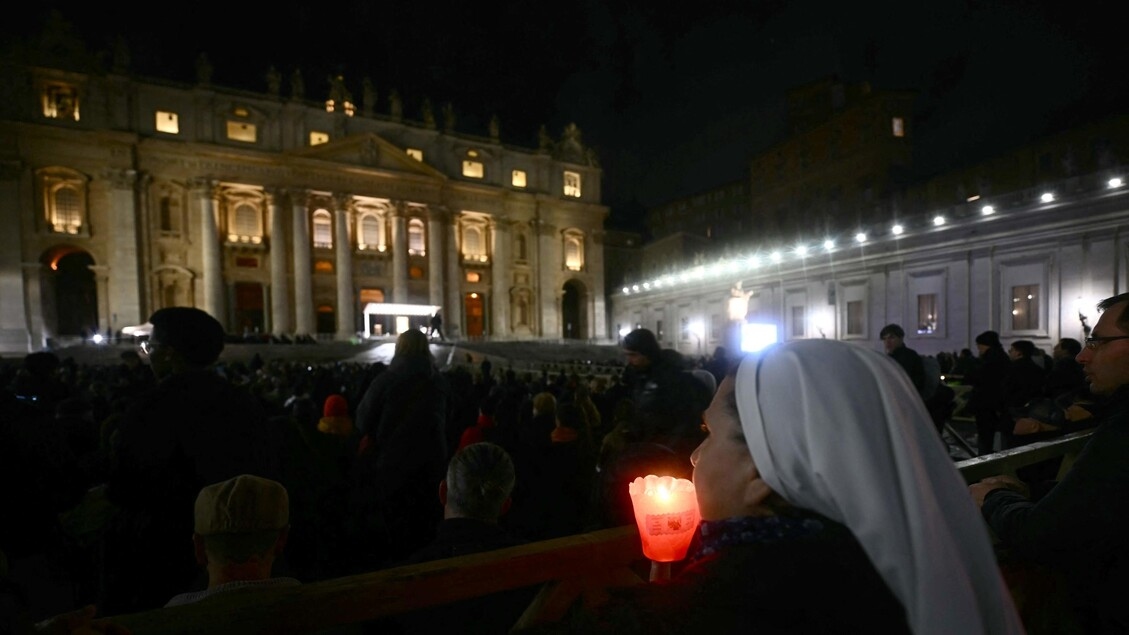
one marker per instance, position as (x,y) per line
(370,151)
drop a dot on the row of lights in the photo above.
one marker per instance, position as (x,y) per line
(802,250)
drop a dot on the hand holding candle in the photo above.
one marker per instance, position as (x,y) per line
(666,511)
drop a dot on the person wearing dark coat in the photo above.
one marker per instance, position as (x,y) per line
(193,429)
(1023,382)
(985,402)
(403,452)
(1078,528)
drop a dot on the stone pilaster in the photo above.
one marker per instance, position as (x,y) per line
(279,288)
(399,253)
(453,311)
(594,262)
(500,274)
(346,295)
(207,205)
(303,276)
(15,319)
(124,283)
(437,220)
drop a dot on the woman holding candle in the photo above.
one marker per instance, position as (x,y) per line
(827,505)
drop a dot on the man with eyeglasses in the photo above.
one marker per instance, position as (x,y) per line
(192,429)
(1078,529)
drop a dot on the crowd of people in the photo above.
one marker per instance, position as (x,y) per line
(173,477)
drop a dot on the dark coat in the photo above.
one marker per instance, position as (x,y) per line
(1078,528)
(819,584)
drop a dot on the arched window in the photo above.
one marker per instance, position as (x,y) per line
(247,222)
(473,248)
(68,210)
(323,229)
(170,215)
(372,232)
(415,238)
(573,251)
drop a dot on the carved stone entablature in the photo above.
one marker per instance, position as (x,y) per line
(120,179)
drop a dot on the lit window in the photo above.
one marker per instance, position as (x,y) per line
(473,169)
(371,234)
(415,154)
(168,122)
(246,223)
(60,102)
(415,272)
(572,184)
(518,178)
(241,131)
(240,111)
(323,229)
(898,126)
(323,266)
(927,313)
(1025,307)
(371,295)
(473,276)
(318,138)
(574,253)
(415,238)
(68,210)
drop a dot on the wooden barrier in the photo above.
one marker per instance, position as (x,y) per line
(574,568)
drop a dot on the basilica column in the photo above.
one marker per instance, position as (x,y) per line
(500,274)
(19,317)
(594,262)
(436,219)
(303,284)
(124,284)
(453,315)
(279,289)
(399,253)
(549,264)
(346,309)
(102,286)
(207,195)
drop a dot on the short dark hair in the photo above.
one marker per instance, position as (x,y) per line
(643,342)
(990,339)
(891,329)
(197,336)
(1123,319)
(1070,345)
(1026,348)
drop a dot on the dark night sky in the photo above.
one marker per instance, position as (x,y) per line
(674,98)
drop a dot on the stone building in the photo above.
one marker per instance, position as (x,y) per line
(1024,243)
(284,215)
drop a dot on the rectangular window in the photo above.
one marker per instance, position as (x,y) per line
(318,138)
(518,178)
(898,127)
(246,262)
(323,266)
(854,318)
(168,122)
(798,321)
(1025,307)
(473,169)
(60,102)
(415,154)
(927,313)
(473,276)
(241,131)
(572,184)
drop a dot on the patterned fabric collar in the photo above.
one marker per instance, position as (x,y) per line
(746,530)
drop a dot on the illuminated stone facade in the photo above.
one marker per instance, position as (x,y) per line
(281,215)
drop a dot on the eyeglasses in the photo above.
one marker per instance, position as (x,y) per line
(1093,343)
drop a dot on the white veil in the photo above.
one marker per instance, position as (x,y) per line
(839,429)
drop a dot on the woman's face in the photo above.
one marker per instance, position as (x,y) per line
(725,479)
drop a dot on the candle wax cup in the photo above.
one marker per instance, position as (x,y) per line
(666,512)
